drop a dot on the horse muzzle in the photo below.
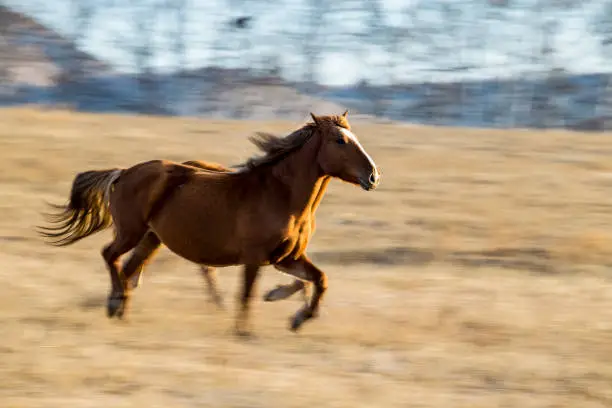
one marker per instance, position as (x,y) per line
(371,182)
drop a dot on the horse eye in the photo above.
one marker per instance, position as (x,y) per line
(341,141)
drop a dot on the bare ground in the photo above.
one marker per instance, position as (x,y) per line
(476,276)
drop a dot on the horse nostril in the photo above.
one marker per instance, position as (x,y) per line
(374,178)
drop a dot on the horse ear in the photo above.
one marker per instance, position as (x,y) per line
(314,118)
(345,114)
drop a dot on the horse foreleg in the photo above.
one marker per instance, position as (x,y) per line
(251,272)
(302,268)
(284,291)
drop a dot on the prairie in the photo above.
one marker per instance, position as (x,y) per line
(477,275)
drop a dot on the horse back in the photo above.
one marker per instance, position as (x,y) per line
(148,185)
(209,166)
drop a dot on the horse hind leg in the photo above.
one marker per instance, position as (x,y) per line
(118,299)
(132,268)
(209,274)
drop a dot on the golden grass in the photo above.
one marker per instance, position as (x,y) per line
(476,276)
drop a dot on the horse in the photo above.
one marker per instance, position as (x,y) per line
(132,268)
(259,214)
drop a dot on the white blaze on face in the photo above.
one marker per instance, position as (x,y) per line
(351,136)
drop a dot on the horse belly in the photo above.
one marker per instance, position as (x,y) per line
(203,235)
(197,248)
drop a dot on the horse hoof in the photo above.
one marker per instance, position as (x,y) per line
(115,307)
(244,334)
(299,318)
(111,309)
(218,304)
(295,325)
(120,311)
(274,294)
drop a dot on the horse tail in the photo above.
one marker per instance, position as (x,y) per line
(87,211)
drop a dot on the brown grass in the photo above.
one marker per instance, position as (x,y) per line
(476,276)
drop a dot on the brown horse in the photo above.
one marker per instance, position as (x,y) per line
(132,268)
(259,215)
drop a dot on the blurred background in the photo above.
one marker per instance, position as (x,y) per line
(482,63)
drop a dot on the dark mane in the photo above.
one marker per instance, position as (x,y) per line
(276,148)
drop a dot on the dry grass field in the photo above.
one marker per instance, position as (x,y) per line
(477,275)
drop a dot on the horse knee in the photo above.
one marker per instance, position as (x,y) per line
(321,282)
(107,253)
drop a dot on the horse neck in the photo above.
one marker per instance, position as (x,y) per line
(303,178)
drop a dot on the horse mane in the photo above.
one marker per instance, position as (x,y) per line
(276,148)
